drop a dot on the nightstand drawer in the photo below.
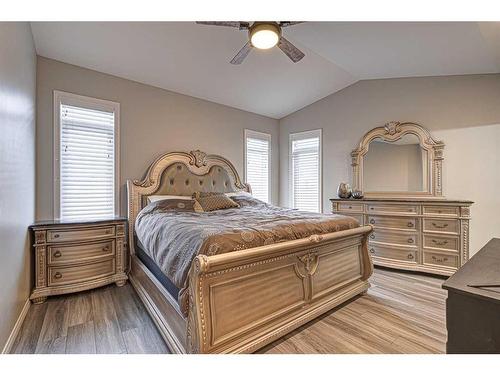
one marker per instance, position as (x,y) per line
(63,254)
(80,234)
(62,275)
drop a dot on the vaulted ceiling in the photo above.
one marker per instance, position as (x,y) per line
(194,60)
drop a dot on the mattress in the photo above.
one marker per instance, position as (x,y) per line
(155,269)
(172,234)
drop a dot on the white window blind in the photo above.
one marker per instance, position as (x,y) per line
(257,163)
(305,172)
(87,162)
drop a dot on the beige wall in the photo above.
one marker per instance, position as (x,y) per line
(17,168)
(463,111)
(153,121)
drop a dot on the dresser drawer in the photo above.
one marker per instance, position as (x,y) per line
(438,259)
(393,237)
(409,209)
(407,255)
(442,225)
(63,254)
(358,217)
(350,207)
(441,210)
(441,242)
(61,275)
(58,235)
(409,223)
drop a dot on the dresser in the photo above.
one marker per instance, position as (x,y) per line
(473,304)
(398,168)
(413,234)
(75,256)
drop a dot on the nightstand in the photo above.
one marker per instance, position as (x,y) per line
(75,256)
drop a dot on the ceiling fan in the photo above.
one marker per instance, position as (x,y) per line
(261,35)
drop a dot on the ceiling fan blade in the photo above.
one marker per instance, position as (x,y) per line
(238,24)
(290,23)
(290,50)
(242,54)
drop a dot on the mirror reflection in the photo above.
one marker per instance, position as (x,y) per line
(395,166)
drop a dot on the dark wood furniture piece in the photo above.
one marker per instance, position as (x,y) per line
(75,256)
(473,312)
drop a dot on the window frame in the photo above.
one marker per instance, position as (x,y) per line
(299,136)
(249,133)
(61,97)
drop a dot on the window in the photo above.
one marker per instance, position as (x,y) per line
(305,170)
(86,161)
(258,163)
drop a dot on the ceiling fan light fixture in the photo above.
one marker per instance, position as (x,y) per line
(264,35)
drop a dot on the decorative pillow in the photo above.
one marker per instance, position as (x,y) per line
(206,202)
(176,205)
(154,198)
(238,193)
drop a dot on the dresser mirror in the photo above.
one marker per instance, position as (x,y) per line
(398,159)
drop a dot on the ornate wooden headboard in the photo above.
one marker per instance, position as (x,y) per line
(181,173)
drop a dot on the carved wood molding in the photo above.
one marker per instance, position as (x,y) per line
(392,132)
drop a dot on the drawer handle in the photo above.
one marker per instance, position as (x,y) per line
(106,248)
(410,256)
(57,254)
(372,208)
(57,275)
(372,251)
(440,243)
(439,226)
(410,224)
(56,235)
(372,236)
(439,260)
(410,240)
(372,221)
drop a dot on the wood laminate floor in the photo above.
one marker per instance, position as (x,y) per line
(401,313)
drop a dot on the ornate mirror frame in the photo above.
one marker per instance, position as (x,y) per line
(391,132)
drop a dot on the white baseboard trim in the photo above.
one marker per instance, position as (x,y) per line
(15,330)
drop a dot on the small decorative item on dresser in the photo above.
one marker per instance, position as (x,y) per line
(357,194)
(75,256)
(344,190)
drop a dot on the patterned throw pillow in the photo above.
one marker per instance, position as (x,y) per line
(176,205)
(206,202)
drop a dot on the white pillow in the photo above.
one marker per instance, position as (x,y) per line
(155,198)
(236,193)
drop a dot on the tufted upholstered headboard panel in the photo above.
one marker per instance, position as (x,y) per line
(177,179)
(181,173)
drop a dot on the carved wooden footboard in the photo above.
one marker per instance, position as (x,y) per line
(243,300)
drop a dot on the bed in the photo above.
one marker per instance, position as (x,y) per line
(223,301)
